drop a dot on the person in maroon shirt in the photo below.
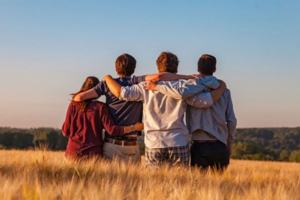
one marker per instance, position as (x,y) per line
(84,123)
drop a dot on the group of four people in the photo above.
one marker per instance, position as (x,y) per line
(161,100)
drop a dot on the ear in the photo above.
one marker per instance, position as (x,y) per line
(215,70)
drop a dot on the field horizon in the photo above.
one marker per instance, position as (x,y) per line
(42,174)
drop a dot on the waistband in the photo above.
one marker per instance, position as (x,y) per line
(121,142)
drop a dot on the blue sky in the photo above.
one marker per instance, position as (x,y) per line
(48,48)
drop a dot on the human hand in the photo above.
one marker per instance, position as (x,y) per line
(139,126)
(107,76)
(194,76)
(151,86)
(229,150)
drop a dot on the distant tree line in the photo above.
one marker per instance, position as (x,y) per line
(13,138)
(280,144)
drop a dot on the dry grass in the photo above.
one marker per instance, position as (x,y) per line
(46,175)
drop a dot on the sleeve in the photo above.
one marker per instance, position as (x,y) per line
(138,79)
(132,93)
(101,88)
(68,120)
(108,122)
(181,89)
(200,100)
(231,121)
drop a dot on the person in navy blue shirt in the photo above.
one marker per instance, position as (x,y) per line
(124,113)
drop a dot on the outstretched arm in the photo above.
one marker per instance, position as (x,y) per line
(187,90)
(217,93)
(93,93)
(89,94)
(113,85)
(133,93)
(177,90)
(113,129)
(167,76)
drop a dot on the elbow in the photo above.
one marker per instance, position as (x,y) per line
(115,131)
(117,94)
(65,134)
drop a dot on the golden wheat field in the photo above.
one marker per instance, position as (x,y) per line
(39,174)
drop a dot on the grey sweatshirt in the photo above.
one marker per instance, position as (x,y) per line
(217,121)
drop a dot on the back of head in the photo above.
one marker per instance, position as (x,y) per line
(207,64)
(89,83)
(167,62)
(125,65)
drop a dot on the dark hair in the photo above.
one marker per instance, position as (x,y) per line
(207,64)
(125,64)
(167,62)
(89,83)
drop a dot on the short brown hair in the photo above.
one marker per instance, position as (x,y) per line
(125,64)
(207,64)
(167,62)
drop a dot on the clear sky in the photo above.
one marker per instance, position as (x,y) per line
(48,48)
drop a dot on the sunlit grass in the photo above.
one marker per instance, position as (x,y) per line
(44,174)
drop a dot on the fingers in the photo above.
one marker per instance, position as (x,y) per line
(195,75)
(150,86)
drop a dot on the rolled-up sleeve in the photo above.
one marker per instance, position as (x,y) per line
(132,93)
(200,100)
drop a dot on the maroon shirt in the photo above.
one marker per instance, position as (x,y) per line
(84,128)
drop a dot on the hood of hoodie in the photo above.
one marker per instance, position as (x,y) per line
(210,81)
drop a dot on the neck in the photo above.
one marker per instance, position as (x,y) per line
(123,76)
(204,75)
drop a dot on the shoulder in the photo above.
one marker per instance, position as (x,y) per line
(139,85)
(97,103)
(73,103)
(137,79)
(227,93)
(143,83)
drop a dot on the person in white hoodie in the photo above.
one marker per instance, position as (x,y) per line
(213,128)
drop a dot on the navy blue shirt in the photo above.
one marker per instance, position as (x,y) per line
(124,113)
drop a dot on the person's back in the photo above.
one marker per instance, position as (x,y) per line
(163,116)
(213,119)
(123,113)
(84,128)
(213,128)
(84,123)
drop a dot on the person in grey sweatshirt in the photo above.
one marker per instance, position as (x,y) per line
(213,128)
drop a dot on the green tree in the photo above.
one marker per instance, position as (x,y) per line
(284,155)
(295,156)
